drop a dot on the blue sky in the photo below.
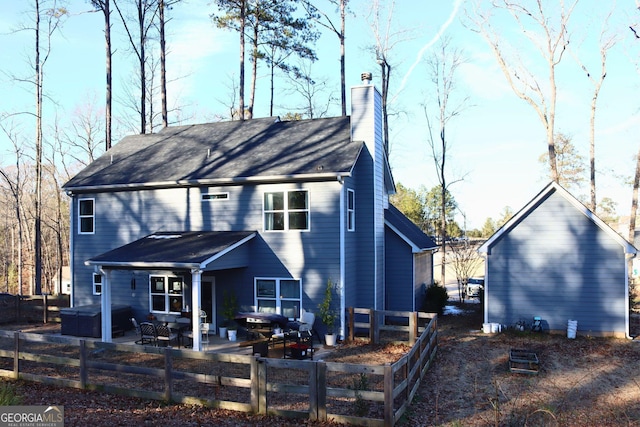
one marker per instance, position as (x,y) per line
(495,141)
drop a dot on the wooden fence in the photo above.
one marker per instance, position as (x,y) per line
(34,308)
(317,390)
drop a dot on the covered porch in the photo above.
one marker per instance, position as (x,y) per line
(193,253)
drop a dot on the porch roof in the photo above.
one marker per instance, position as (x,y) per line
(181,249)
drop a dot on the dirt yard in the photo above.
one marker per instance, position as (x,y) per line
(581,382)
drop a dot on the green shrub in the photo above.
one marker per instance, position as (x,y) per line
(8,395)
(435,298)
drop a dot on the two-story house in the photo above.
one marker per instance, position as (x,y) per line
(269,210)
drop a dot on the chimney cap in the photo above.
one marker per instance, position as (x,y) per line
(366,77)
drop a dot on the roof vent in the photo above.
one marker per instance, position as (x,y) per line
(366,78)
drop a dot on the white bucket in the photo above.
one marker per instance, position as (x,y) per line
(572,327)
(232,334)
(495,328)
(486,328)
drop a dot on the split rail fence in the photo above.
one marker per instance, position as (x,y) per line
(368,395)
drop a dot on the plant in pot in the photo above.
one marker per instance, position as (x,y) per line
(229,310)
(327,314)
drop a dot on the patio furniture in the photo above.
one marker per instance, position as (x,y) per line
(298,345)
(165,335)
(204,330)
(136,326)
(148,334)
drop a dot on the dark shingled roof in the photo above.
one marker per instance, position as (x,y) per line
(173,249)
(407,230)
(225,152)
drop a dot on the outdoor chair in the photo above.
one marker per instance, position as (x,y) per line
(148,334)
(165,335)
(306,321)
(136,326)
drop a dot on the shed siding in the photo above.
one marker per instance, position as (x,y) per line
(559,265)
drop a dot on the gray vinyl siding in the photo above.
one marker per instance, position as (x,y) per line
(559,265)
(122,217)
(399,273)
(360,247)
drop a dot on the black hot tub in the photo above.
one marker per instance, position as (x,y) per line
(86,320)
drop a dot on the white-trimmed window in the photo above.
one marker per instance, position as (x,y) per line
(281,296)
(166,294)
(86,216)
(97,284)
(286,210)
(215,197)
(351,210)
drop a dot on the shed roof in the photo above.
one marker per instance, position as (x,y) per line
(554,187)
(192,249)
(407,230)
(264,149)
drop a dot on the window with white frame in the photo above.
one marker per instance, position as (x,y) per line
(166,294)
(97,284)
(286,210)
(281,296)
(86,216)
(351,210)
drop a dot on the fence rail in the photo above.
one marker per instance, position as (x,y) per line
(34,308)
(317,390)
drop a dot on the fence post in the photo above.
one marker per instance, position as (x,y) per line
(168,374)
(413,327)
(262,388)
(313,392)
(352,321)
(45,309)
(374,332)
(255,386)
(388,395)
(16,355)
(321,397)
(83,364)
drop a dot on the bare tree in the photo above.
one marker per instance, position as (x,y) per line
(551,40)
(607,41)
(234,17)
(323,19)
(146,11)
(104,7)
(15,184)
(441,68)
(386,42)
(315,92)
(465,261)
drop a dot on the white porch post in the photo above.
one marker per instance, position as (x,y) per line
(105,301)
(196,286)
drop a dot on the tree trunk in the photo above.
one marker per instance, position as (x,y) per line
(163,69)
(343,83)
(38,195)
(107,37)
(143,77)
(254,71)
(243,10)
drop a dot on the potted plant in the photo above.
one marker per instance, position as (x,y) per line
(229,311)
(327,314)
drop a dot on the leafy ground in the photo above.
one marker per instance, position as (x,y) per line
(582,382)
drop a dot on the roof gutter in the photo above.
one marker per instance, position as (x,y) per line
(200,182)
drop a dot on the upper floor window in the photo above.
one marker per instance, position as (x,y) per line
(86,216)
(286,210)
(351,210)
(166,294)
(97,284)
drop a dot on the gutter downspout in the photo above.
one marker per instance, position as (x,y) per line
(342,332)
(72,232)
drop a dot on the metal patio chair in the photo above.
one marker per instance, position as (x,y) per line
(165,335)
(148,334)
